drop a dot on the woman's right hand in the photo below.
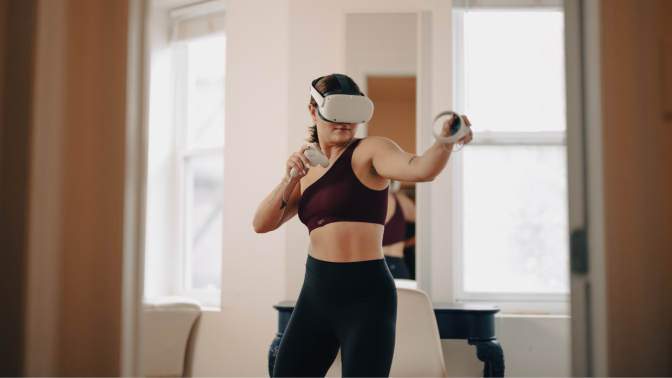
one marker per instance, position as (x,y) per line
(299,162)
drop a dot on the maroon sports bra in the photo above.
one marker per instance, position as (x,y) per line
(395,229)
(339,196)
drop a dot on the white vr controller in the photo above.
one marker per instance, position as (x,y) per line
(315,157)
(458,129)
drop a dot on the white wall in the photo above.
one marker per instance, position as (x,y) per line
(534,346)
(380,44)
(316,48)
(381,39)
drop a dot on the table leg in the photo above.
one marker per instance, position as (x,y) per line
(490,352)
(273,353)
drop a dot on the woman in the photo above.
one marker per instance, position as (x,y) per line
(348,298)
(400,209)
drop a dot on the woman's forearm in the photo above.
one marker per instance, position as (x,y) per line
(270,211)
(434,160)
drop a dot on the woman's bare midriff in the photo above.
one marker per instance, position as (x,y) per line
(394,250)
(347,242)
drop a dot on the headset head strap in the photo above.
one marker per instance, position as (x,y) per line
(343,82)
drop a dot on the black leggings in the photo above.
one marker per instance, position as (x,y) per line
(349,305)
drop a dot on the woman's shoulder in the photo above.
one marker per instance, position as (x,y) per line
(373,143)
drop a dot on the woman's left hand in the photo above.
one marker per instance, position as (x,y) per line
(446,130)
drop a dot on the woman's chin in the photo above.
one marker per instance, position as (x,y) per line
(341,137)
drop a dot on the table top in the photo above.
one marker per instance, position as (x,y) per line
(465,307)
(285,304)
(482,308)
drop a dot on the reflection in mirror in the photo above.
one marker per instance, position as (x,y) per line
(381,54)
(394,98)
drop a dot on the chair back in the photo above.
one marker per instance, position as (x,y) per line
(169,322)
(417,351)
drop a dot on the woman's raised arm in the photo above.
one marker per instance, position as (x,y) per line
(393,163)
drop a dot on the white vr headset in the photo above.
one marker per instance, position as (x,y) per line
(344,106)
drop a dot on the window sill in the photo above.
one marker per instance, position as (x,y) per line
(528,308)
(532,316)
(209,300)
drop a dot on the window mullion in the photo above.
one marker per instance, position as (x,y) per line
(542,138)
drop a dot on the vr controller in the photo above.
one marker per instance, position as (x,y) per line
(315,157)
(458,129)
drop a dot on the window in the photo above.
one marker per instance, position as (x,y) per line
(511,237)
(199,72)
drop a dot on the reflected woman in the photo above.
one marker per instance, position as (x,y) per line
(400,209)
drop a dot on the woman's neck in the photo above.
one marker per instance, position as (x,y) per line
(333,149)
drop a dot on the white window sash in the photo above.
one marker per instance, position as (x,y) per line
(554,303)
(182,259)
(508,5)
(197,21)
(540,138)
(557,303)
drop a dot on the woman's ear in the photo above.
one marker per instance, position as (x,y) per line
(313,111)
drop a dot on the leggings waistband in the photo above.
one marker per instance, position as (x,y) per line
(348,279)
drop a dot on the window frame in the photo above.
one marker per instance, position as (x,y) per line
(552,303)
(181,153)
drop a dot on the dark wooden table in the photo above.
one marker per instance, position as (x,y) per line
(472,322)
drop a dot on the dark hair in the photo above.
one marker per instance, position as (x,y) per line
(328,84)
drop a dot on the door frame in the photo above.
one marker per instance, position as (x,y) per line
(585,188)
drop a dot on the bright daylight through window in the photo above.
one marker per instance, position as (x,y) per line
(201,64)
(512,178)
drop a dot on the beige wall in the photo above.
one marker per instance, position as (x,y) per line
(380,42)
(235,340)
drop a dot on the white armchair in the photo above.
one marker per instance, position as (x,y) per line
(168,323)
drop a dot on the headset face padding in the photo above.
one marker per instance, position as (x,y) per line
(346,109)
(344,106)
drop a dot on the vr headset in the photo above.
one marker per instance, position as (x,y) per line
(345,106)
